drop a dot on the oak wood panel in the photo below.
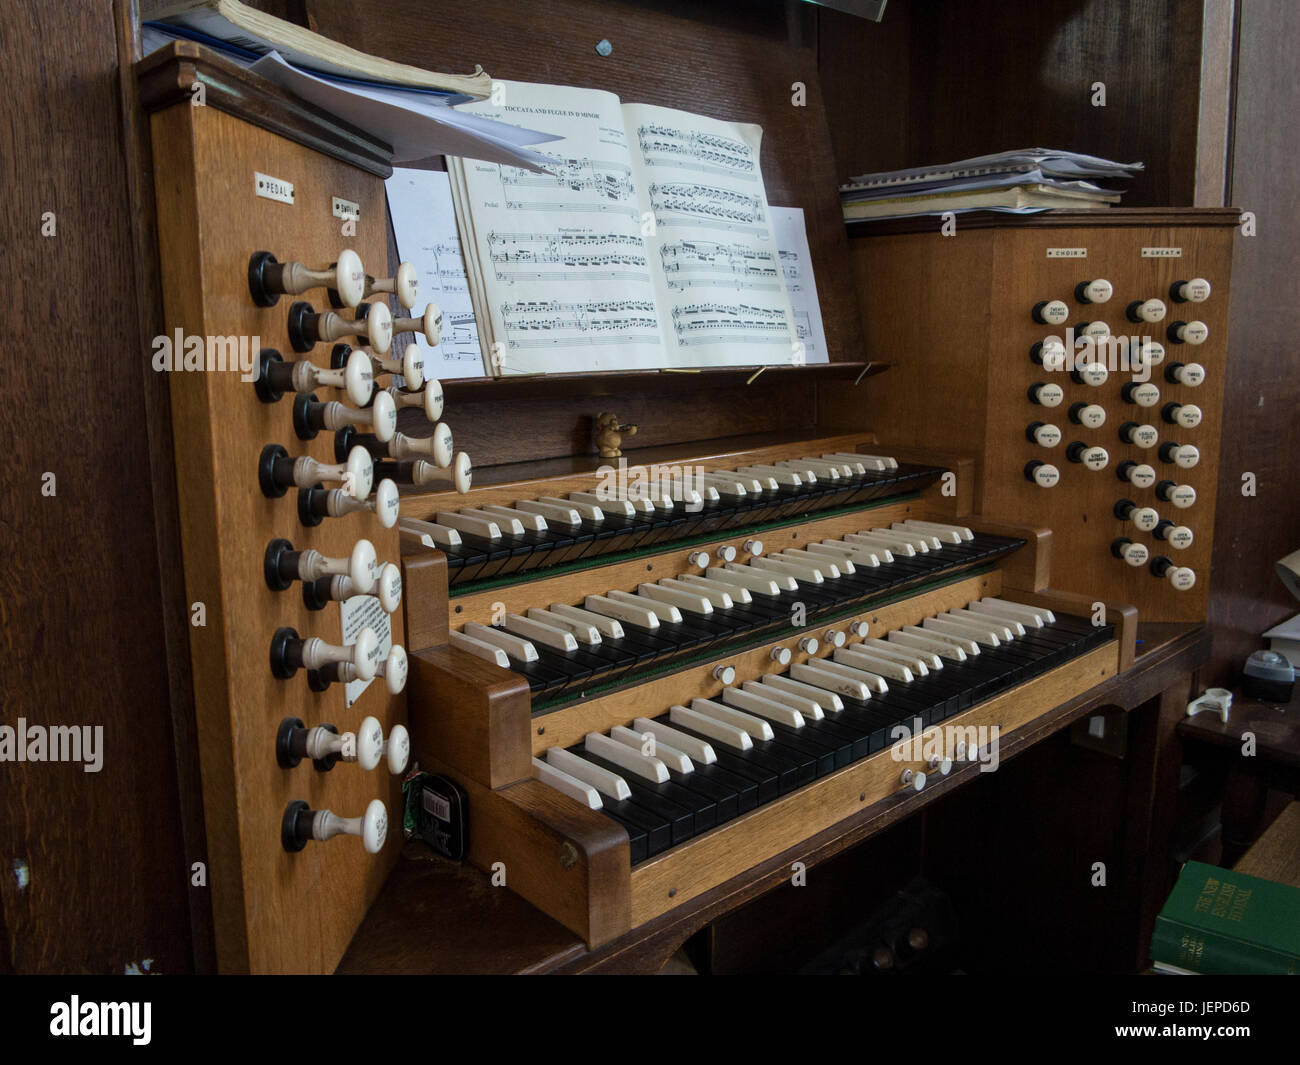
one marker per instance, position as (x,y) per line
(969,358)
(273,911)
(81,625)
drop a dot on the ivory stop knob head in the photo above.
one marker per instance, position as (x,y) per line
(1093,330)
(1190,374)
(1046,395)
(1152,352)
(379,327)
(384,416)
(780,655)
(1093,374)
(726,553)
(463,472)
(374,827)
(363,567)
(1188,415)
(1152,310)
(1143,436)
(360,473)
(1089,415)
(1044,434)
(1197,290)
(1145,518)
(1189,333)
(387,503)
(358,378)
(350,278)
(1130,551)
(413,366)
(432,324)
(370,743)
(365,654)
(433,399)
(443,447)
(1181,495)
(1098,291)
(407,285)
(388,586)
(399,740)
(1051,312)
(726,674)
(1043,474)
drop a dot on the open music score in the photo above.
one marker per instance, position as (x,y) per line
(549,323)
(613,221)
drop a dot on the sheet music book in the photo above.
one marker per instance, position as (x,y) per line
(648,244)
(796,264)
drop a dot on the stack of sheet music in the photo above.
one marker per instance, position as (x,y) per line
(1018,182)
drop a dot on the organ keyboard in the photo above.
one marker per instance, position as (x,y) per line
(635,724)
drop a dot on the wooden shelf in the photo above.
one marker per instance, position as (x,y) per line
(487,389)
(1111,216)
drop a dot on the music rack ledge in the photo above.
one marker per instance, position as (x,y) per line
(620,382)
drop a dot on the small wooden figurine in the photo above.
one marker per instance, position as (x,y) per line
(609,435)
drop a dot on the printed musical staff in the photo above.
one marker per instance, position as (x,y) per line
(708,153)
(678,203)
(552,323)
(568,256)
(582,185)
(735,266)
(713,323)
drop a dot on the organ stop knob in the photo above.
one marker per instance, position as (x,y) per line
(1177,536)
(1094,458)
(316,504)
(1188,415)
(405,285)
(301,825)
(1188,332)
(277,472)
(1139,435)
(310,416)
(458,475)
(282,565)
(1144,394)
(1180,577)
(1197,290)
(1050,312)
(428,325)
(1043,474)
(1098,291)
(1089,415)
(318,594)
(289,653)
(326,747)
(1180,495)
(275,377)
(1144,518)
(410,366)
(1043,434)
(393,670)
(1138,474)
(373,324)
(269,279)
(430,398)
(1151,310)
(1046,395)
(1129,551)
(1184,456)
(1190,374)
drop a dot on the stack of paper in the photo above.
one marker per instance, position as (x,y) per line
(1021,181)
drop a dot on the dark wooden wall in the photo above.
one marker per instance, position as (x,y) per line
(948,79)
(1261,431)
(81,620)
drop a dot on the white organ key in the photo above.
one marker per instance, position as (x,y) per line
(830,568)
(581,631)
(846,469)
(586,510)
(874,681)
(754,580)
(720,592)
(772,709)
(925,536)
(809,708)
(953,630)
(857,554)
(439,535)
(611,506)
(1011,625)
(729,735)
(651,769)
(919,638)
(984,629)
(691,602)
(694,493)
(822,470)
(670,756)
(638,502)
(633,613)
(602,780)
(561,514)
(786,568)
(523,518)
(665,612)
(510,524)
(513,646)
(539,632)
(691,746)
(832,682)
(877,665)
(725,484)
(777,474)
(603,624)
(914,656)
(1040,614)
(855,465)
(822,696)
(726,715)
(714,595)
(763,481)
(876,462)
(889,542)
(479,649)
(467,523)
(752,484)
(941,530)
(569,785)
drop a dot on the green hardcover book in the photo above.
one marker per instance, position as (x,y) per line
(1218,921)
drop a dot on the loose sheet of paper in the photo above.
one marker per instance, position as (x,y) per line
(424,224)
(796,262)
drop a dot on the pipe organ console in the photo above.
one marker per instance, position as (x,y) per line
(645,686)
(1095,345)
